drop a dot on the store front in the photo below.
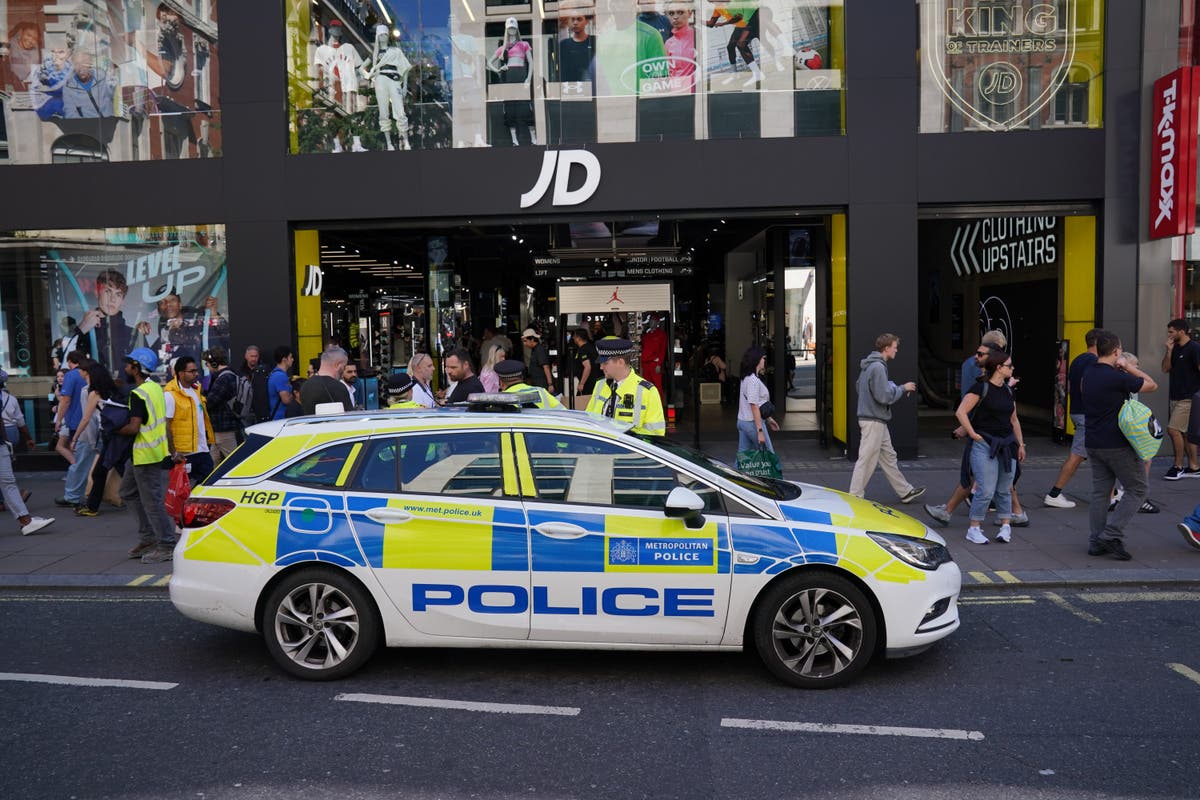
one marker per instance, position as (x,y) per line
(691,294)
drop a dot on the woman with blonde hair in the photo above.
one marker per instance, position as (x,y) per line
(487,375)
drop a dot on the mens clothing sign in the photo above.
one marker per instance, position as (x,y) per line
(1173,154)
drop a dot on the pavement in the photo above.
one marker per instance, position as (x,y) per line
(1052,551)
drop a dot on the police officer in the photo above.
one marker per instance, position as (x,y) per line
(399,392)
(624,395)
(511,375)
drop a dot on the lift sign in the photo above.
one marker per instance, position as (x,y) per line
(616,601)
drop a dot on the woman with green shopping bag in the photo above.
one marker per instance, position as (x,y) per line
(756,456)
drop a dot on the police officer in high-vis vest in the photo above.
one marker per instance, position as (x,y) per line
(399,391)
(144,485)
(624,395)
(511,375)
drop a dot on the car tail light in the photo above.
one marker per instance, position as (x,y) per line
(201,511)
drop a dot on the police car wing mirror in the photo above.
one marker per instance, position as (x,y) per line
(684,504)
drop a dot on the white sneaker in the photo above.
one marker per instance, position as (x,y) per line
(1058,502)
(975,536)
(36,524)
(1005,534)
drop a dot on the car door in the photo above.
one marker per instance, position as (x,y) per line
(608,564)
(439,518)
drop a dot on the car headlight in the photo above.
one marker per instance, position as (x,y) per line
(921,553)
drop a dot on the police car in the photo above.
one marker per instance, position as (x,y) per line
(461,528)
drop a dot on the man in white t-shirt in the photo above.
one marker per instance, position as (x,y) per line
(189,430)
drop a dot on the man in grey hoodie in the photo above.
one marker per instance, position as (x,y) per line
(875,397)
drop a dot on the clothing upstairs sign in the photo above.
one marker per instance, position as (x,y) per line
(1173,154)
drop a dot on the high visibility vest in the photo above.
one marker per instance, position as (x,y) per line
(546,400)
(150,444)
(405,404)
(634,400)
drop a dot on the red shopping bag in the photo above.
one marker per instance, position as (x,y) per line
(178,490)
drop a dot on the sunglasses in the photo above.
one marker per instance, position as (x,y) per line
(982,354)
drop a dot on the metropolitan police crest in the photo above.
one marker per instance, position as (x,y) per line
(998,63)
(622,551)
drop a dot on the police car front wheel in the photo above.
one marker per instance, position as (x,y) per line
(815,631)
(319,624)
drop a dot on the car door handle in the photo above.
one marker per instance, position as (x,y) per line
(560,530)
(387,515)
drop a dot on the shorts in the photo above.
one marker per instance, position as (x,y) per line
(1077,445)
(64,432)
(1181,411)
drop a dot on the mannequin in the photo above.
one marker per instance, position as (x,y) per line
(654,352)
(339,64)
(389,74)
(513,60)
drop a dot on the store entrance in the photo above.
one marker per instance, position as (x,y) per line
(694,296)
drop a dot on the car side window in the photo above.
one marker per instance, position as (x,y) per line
(462,464)
(380,468)
(578,469)
(321,469)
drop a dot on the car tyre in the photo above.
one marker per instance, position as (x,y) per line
(319,624)
(815,631)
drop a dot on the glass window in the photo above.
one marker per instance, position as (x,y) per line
(579,469)
(121,80)
(464,464)
(323,468)
(503,73)
(988,66)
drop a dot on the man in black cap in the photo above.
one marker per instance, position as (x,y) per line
(624,395)
(511,374)
(399,391)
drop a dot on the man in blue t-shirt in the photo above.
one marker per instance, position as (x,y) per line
(279,385)
(68,419)
(1055,498)
(1106,385)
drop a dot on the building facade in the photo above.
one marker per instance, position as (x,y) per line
(798,175)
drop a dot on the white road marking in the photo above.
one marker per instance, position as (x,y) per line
(1071,608)
(460,705)
(68,680)
(1186,672)
(869,730)
(29,598)
(1138,597)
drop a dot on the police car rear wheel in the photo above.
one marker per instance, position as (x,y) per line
(320,625)
(815,631)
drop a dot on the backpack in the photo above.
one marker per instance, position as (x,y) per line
(1140,428)
(242,403)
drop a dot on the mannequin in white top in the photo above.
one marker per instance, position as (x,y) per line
(388,72)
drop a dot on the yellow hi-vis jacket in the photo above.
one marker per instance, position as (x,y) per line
(633,400)
(546,400)
(150,444)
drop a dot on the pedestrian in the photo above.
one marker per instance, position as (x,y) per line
(222,389)
(1190,528)
(101,389)
(14,498)
(988,414)
(1055,498)
(487,375)
(624,395)
(327,387)
(1148,506)
(1181,362)
(82,449)
(254,371)
(189,430)
(420,367)
(511,374)
(876,395)
(587,368)
(462,372)
(1106,385)
(539,359)
(144,484)
(350,381)
(752,421)
(398,392)
(279,385)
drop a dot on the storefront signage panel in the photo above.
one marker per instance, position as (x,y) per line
(1173,155)
(1001,244)
(556,171)
(122,80)
(997,65)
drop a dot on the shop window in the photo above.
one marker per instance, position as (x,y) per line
(989,66)
(135,71)
(503,73)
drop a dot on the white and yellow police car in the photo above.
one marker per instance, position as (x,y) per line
(328,535)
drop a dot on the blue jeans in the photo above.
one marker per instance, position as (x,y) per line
(748,435)
(1193,521)
(77,473)
(990,482)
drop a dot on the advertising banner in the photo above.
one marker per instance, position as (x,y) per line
(1173,155)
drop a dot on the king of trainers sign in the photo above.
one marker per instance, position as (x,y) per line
(1173,154)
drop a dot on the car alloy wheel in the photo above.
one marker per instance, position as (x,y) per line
(320,625)
(816,631)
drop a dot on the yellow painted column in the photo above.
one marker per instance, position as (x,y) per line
(309,337)
(1078,285)
(837,278)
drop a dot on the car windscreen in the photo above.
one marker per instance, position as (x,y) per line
(763,487)
(253,442)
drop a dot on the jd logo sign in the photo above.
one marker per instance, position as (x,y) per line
(556,169)
(314,281)
(990,46)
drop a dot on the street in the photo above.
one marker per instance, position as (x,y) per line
(1047,693)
